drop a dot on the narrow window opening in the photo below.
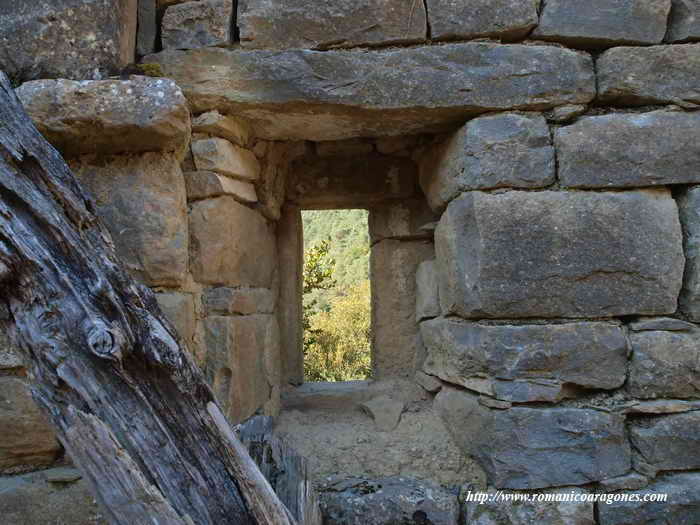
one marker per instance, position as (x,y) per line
(336,296)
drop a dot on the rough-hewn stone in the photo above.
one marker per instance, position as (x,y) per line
(331,95)
(479,356)
(500,512)
(274,174)
(404,219)
(207,184)
(603,23)
(323,25)
(505,150)
(668,442)
(142,201)
(628,150)
(664,364)
(385,410)
(684,22)
(559,254)
(221,156)
(196,24)
(28,439)
(504,19)
(236,362)
(221,254)
(240,301)
(48,497)
(227,127)
(331,182)
(689,209)
(386,501)
(427,297)
(528,448)
(77,39)
(179,309)
(395,337)
(681,507)
(630,75)
(109,116)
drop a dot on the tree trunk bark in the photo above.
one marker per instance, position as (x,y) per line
(129,404)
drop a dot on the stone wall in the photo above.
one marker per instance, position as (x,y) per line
(531,171)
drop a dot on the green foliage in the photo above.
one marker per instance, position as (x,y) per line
(341,350)
(336,296)
(318,275)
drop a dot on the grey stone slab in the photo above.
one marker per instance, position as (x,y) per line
(312,95)
(630,150)
(603,23)
(559,254)
(324,25)
(505,150)
(484,357)
(630,75)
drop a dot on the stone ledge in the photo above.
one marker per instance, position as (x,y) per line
(312,95)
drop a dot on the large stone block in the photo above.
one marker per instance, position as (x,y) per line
(395,337)
(504,19)
(242,361)
(664,364)
(486,357)
(630,75)
(627,150)
(220,156)
(77,39)
(109,116)
(142,201)
(324,25)
(230,128)
(689,208)
(404,219)
(179,309)
(28,440)
(668,442)
(196,24)
(528,448)
(49,497)
(358,501)
(680,506)
(684,22)
(505,150)
(223,235)
(332,182)
(147,27)
(603,23)
(331,95)
(559,254)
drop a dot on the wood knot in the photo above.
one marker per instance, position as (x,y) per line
(105,341)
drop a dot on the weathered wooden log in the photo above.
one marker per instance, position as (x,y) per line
(285,469)
(129,404)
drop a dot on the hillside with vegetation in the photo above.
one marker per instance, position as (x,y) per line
(336,295)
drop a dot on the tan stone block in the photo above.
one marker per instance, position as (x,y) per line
(232,245)
(179,309)
(207,184)
(142,200)
(27,437)
(221,156)
(233,129)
